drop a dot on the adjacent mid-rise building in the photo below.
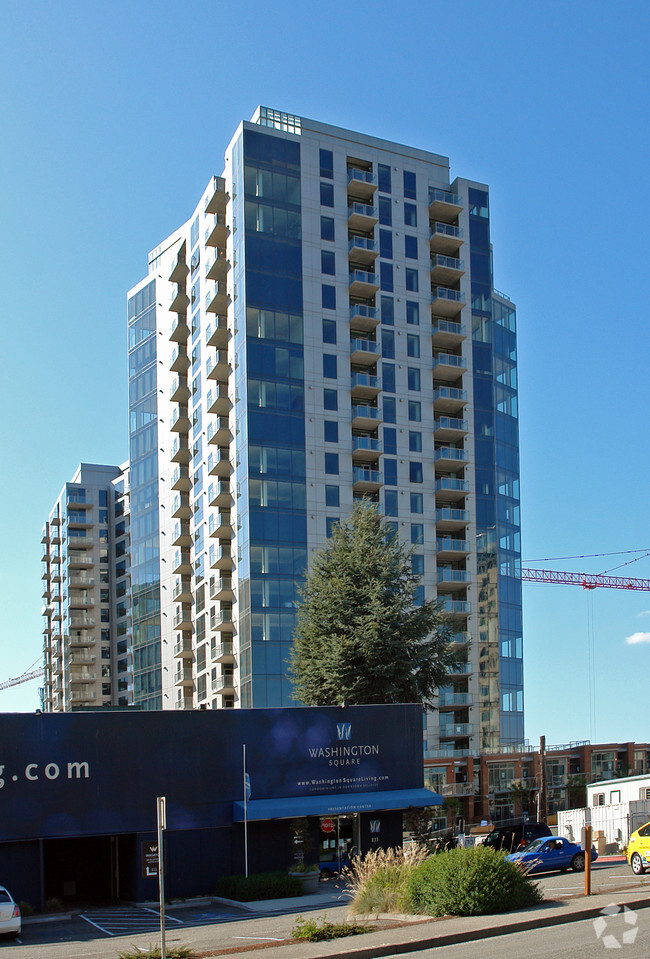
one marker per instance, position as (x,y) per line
(87,655)
(323,327)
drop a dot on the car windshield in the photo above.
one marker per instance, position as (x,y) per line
(535,844)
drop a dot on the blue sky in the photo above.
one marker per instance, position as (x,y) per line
(114,116)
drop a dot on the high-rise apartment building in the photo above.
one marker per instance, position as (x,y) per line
(87,654)
(323,327)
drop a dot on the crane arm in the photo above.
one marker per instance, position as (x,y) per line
(586,580)
(23,678)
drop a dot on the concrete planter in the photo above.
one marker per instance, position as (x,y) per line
(308,881)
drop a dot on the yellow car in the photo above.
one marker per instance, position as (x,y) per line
(638,850)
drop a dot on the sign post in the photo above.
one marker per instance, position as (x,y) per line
(587,860)
(161,811)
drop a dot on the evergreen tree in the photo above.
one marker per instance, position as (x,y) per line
(359,639)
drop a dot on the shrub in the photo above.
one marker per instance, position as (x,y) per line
(53,905)
(263,885)
(469,882)
(154,952)
(311,930)
(26,908)
(378,879)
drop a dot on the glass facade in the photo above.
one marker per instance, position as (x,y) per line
(496,447)
(143,446)
(271,489)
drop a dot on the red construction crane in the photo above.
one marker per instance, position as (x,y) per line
(586,580)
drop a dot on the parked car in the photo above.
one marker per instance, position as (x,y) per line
(10,921)
(331,867)
(549,853)
(512,838)
(638,850)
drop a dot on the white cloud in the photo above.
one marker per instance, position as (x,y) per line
(637,638)
(645,612)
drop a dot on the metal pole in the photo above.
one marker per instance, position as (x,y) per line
(587,860)
(245,814)
(542,815)
(162,824)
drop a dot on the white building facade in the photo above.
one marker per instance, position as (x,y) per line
(323,327)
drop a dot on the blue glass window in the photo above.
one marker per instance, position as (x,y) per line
(326,164)
(410,214)
(386,244)
(327,228)
(328,297)
(385,211)
(327,262)
(413,345)
(416,503)
(390,439)
(412,284)
(331,431)
(332,463)
(387,310)
(409,185)
(415,472)
(383,178)
(417,534)
(390,471)
(390,502)
(415,411)
(415,441)
(414,378)
(417,565)
(411,247)
(413,312)
(330,400)
(327,194)
(332,496)
(388,344)
(386,276)
(329,365)
(388,377)
(330,523)
(329,331)
(389,409)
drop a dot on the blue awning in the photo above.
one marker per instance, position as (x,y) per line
(339,804)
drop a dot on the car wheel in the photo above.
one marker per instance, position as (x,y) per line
(637,865)
(578,862)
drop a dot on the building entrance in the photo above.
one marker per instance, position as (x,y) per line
(337,843)
(85,869)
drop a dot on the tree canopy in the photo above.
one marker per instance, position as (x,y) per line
(359,638)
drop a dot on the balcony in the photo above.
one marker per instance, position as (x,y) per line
(225,685)
(180,330)
(218,267)
(362,250)
(81,639)
(182,591)
(446,269)
(365,448)
(366,480)
(445,302)
(179,391)
(82,622)
(452,730)
(363,317)
(451,488)
(179,361)
(457,789)
(77,501)
(445,238)
(81,520)
(77,542)
(447,333)
(181,535)
(180,451)
(82,676)
(444,205)
(183,648)
(217,367)
(364,386)
(448,457)
(223,652)
(218,400)
(217,300)
(221,557)
(449,428)
(219,462)
(454,699)
(183,676)
(220,526)
(461,669)
(365,417)
(82,695)
(362,217)
(179,270)
(453,578)
(364,352)
(181,479)
(180,421)
(186,702)
(182,563)
(219,432)
(79,561)
(81,600)
(217,197)
(221,620)
(361,183)
(449,518)
(181,508)
(221,587)
(179,301)
(460,639)
(217,333)
(183,619)
(79,658)
(448,366)
(363,283)
(45,535)
(455,607)
(219,494)
(217,234)
(448,399)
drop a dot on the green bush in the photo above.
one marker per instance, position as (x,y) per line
(311,930)
(377,880)
(263,885)
(469,882)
